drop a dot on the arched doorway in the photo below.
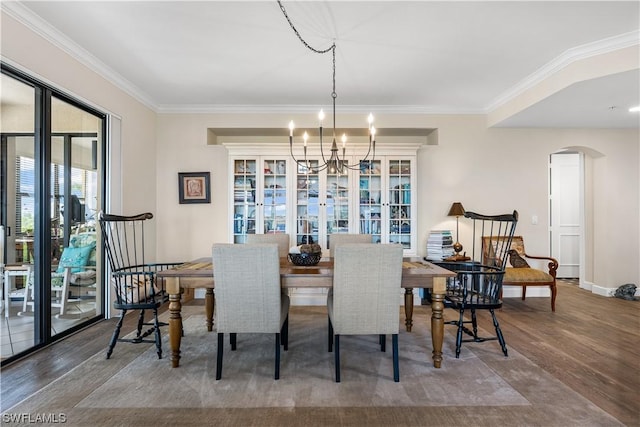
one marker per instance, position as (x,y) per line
(574,191)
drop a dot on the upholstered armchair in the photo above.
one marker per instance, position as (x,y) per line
(521,274)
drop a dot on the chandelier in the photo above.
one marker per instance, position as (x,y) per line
(336,164)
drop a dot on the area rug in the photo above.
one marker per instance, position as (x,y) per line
(135,380)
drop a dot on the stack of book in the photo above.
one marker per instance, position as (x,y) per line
(439,245)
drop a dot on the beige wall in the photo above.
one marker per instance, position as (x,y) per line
(488,170)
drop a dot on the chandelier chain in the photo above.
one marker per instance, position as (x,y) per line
(335,161)
(331,48)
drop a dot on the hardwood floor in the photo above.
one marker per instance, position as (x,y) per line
(590,344)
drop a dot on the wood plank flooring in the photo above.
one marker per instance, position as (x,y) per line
(590,344)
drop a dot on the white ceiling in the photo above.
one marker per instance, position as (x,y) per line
(392,56)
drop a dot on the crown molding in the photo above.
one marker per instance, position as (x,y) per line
(311,109)
(567,58)
(41,27)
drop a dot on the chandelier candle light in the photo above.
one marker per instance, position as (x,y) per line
(335,163)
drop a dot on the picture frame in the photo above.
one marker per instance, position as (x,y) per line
(194,187)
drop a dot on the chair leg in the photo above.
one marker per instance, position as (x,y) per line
(233,340)
(140,323)
(383,342)
(336,339)
(499,333)
(396,364)
(459,334)
(285,334)
(219,356)
(330,335)
(524,292)
(474,324)
(277,367)
(116,334)
(158,334)
(554,292)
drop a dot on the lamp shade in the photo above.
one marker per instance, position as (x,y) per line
(456,209)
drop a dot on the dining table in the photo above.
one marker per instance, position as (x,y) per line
(200,273)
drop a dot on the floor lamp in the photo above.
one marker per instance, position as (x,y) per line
(457,210)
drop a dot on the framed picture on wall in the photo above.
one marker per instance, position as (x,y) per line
(194,187)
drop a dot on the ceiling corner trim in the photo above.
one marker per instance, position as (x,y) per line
(232,109)
(570,56)
(312,109)
(39,26)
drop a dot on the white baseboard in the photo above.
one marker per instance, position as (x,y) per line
(597,289)
(532,291)
(601,290)
(586,285)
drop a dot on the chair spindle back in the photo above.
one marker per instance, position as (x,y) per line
(133,277)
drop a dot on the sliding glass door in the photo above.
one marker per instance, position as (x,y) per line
(18,214)
(52,183)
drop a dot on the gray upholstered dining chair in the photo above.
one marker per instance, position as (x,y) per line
(365,298)
(339,238)
(281,239)
(248,296)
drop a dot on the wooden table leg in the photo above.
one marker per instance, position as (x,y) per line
(437,322)
(175,328)
(209,303)
(175,319)
(408,309)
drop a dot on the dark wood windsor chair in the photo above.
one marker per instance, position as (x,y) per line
(478,284)
(133,278)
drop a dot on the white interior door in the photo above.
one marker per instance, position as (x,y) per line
(565,213)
